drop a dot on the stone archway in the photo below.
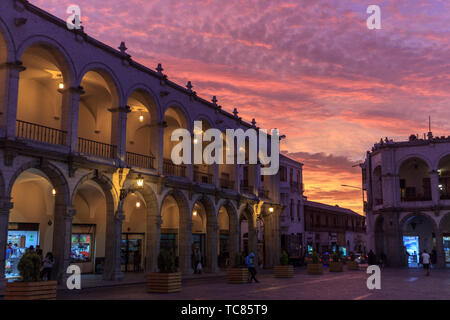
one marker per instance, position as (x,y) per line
(228,223)
(443,237)
(247,216)
(62,213)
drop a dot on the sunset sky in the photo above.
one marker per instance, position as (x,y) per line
(308,67)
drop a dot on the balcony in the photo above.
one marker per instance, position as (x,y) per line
(202,176)
(140,160)
(96,148)
(39,133)
(171,169)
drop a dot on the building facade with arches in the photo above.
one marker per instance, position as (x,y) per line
(408,202)
(85,169)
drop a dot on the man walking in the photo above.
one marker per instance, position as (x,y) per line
(249,261)
(426,261)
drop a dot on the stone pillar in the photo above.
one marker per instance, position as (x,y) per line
(62,240)
(5,207)
(8,125)
(153,235)
(252,238)
(119,131)
(216,175)
(276,237)
(185,245)
(440,250)
(268,242)
(112,269)
(70,110)
(234,237)
(435,192)
(212,230)
(157,139)
(393,244)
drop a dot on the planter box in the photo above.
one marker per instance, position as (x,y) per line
(237,275)
(284,271)
(42,290)
(352,265)
(313,268)
(336,267)
(163,282)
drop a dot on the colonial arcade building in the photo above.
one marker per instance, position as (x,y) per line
(85,169)
(408,199)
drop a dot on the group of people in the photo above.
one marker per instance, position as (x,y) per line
(12,251)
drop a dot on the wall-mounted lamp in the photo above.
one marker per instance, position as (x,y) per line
(141,118)
(54,192)
(138,204)
(195,213)
(271,209)
(61,86)
(140,181)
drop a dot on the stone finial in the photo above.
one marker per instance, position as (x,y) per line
(189,86)
(253,122)
(159,68)
(235,112)
(214,100)
(123,48)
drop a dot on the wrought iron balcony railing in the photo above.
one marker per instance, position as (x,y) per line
(39,133)
(140,160)
(96,148)
(171,169)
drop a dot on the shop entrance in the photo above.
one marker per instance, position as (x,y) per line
(131,250)
(21,236)
(411,244)
(82,249)
(198,248)
(447,249)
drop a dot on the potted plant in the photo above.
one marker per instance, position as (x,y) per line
(167,280)
(30,287)
(352,264)
(238,273)
(336,264)
(315,267)
(284,270)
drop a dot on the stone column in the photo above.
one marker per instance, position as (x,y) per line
(153,242)
(393,244)
(62,240)
(440,250)
(252,239)
(268,242)
(112,269)
(276,237)
(70,111)
(212,229)
(5,207)
(8,126)
(234,237)
(185,245)
(119,130)
(435,192)
(157,139)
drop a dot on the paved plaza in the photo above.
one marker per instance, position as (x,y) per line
(349,285)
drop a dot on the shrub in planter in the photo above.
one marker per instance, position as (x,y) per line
(336,264)
(167,280)
(284,270)
(31,287)
(315,267)
(238,273)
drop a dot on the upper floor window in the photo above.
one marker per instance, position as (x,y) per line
(283,174)
(415,183)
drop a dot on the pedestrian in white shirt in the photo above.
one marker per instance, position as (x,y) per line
(426,261)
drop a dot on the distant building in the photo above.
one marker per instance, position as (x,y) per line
(330,228)
(408,199)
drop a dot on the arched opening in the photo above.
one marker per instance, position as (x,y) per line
(247,233)
(418,236)
(444,177)
(380,248)
(223,219)
(133,244)
(170,226)
(89,227)
(32,219)
(95,118)
(203,173)
(415,183)
(40,111)
(174,119)
(445,231)
(226,171)
(377,186)
(142,130)
(261,241)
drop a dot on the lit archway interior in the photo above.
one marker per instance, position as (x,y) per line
(3,60)
(415,182)
(444,178)
(223,220)
(418,236)
(199,241)
(203,173)
(89,228)
(170,216)
(31,220)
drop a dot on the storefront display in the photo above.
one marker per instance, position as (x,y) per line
(447,249)
(81,250)
(131,252)
(20,237)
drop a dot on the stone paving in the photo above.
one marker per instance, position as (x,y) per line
(403,284)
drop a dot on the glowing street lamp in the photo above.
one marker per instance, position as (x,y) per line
(140,181)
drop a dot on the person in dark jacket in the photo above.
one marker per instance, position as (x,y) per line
(249,261)
(371,258)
